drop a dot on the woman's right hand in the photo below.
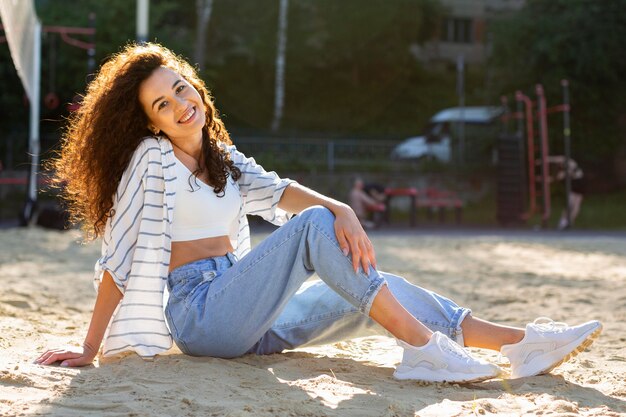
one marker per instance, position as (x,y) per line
(69,357)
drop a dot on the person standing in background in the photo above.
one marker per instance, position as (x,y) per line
(575,199)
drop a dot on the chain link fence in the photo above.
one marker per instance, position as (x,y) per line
(318,155)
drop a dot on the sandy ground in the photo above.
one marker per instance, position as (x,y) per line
(46,298)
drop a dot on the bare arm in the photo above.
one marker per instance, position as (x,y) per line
(560,160)
(367,199)
(555,159)
(107,300)
(350,234)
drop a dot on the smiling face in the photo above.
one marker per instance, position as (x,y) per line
(173,107)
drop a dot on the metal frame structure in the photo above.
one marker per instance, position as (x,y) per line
(30,205)
(525,112)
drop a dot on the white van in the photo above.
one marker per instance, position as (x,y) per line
(436,142)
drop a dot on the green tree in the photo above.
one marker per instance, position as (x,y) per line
(14,110)
(171,23)
(64,67)
(579,40)
(356,56)
(349,68)
(347,62)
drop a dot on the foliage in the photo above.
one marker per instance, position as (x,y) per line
(578,40)
(115,26)
(14,110)
(349,67)
(357,59)
(65,69)
(347,62)
(349,70)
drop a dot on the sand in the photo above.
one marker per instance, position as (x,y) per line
(46,298)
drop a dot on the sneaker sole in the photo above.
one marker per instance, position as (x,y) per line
(579,347)
(442,376)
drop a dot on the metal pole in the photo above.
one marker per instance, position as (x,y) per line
(142,20)
(568,150)
(505,117)
(330,154)
(530,149)
(543,129)
(519,115)
(460,83)
(33,143)
(91,52)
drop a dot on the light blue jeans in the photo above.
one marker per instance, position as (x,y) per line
(224,307)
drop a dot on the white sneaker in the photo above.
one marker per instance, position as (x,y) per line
(441,360)
(547,344)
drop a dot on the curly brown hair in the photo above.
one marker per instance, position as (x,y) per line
(103,133)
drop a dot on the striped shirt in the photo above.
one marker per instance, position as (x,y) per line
(136,244)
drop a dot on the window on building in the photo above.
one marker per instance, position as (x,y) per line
(457,30)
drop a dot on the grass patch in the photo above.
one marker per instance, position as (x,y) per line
(598,212)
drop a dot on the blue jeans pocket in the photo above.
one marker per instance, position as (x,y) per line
(184,287)
(196,294)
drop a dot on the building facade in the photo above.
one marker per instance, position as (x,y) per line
(464,31)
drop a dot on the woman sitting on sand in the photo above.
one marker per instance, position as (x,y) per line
(148,165)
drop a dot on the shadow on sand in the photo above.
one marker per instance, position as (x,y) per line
(293,383)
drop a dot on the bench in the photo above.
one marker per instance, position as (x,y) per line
(378,213)
(402,192)
(439,201)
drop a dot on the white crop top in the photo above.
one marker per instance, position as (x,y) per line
(200,213)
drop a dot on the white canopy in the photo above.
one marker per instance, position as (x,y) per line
(23,32)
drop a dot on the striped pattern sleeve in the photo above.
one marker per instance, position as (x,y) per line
(135,251)
(260,190)
(122,229)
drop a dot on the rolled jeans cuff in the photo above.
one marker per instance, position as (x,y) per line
(371,293)
(455,324)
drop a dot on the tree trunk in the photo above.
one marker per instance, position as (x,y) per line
(279,92)
(203,9)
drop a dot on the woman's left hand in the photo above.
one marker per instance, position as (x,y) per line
(353,239)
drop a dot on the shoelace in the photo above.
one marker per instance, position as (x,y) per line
(456,350)
(547,324)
